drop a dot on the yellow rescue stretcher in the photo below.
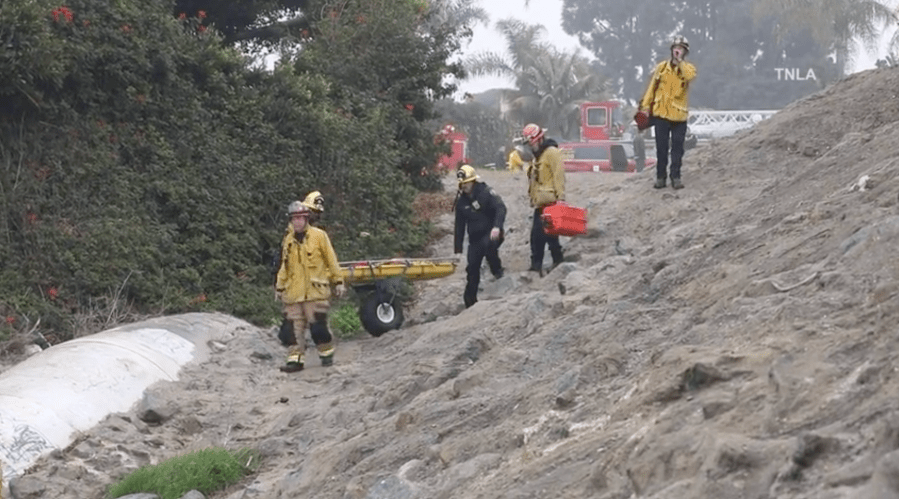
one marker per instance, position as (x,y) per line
(367,271)
(374,281)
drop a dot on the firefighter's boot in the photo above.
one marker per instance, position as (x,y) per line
(660,183)
(295,361)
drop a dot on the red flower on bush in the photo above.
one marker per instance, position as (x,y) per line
(201,28)
(201,14)
(31,217)
(10,320)
(410,107)
(182,16)
(200,298)
(62,11)
(126,28)
(53,293)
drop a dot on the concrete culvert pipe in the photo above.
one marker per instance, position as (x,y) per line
(70,387)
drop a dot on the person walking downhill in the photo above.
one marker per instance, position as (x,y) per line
(306,273)
(482,211)
(546,185)
(316,204)
(666,101)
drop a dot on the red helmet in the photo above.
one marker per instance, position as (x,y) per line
(532,133)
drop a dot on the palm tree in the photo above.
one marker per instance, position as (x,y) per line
(456,12)
(550,85)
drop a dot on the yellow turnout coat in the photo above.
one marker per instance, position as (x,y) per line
(666,96)
(308,268)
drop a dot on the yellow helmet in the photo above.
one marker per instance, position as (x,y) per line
(466,174)
(315,202)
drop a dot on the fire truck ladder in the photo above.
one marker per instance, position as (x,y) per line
(712,124)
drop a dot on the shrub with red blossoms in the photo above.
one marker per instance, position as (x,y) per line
(64,12)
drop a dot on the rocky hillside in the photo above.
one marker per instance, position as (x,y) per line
(734,339)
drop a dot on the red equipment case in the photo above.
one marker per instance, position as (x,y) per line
(561,219)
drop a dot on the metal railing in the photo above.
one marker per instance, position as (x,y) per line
(713,124)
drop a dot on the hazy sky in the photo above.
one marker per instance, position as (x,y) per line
(549,14)
(487,38)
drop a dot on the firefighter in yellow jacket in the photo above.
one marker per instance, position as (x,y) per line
(521,156)
(306,273)
(546,185)
(666,102)
(515,163)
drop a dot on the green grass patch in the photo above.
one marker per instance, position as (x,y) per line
(205,470)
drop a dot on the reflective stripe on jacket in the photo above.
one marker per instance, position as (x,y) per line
(308,268)
(670,100)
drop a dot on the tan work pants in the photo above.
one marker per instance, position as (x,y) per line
(302,315)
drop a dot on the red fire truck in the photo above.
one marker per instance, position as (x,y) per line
(458,149)
(601,147)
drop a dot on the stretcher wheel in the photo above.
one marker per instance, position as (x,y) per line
(379,316)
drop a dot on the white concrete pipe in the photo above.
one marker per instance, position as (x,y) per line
(72,386)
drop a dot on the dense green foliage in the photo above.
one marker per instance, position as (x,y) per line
(367,46)
(206,471)
(142,156)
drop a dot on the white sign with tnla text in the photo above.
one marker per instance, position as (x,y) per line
(794,74)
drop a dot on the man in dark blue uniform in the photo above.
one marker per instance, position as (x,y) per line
(479,208)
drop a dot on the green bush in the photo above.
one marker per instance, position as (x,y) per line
(142,158)
(345,320)
(205,470)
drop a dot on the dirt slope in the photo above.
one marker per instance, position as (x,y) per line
(735,339)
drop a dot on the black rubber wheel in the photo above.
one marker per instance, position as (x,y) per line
(379,316)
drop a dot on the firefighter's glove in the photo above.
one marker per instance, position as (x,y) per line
(494,234)
(339,290)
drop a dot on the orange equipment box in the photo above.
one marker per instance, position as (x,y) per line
(561,219)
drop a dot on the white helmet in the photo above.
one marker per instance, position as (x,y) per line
(297,208)
(682,41)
